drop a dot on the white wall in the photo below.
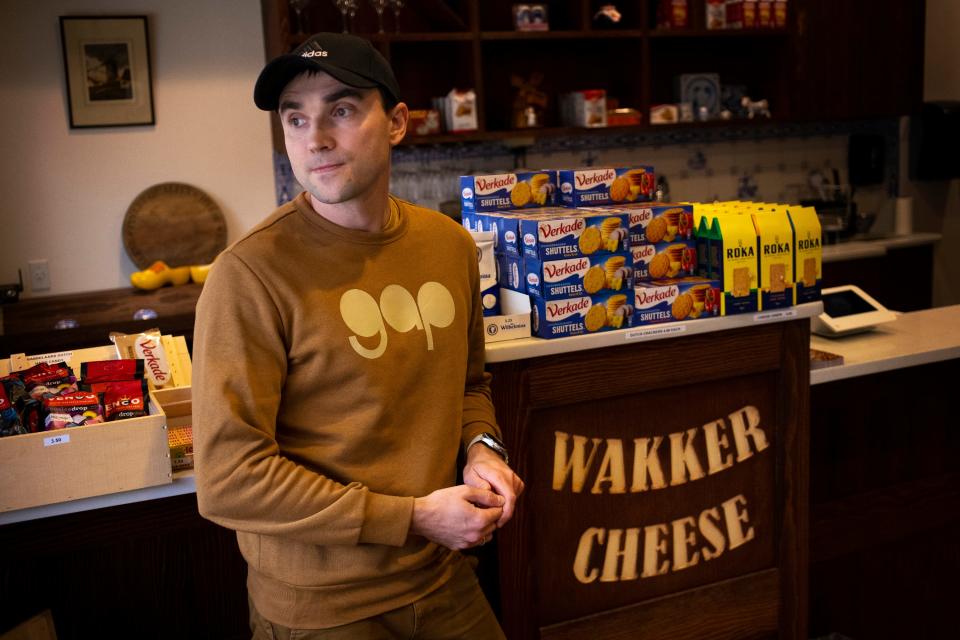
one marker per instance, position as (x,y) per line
(64,193)
(937,204)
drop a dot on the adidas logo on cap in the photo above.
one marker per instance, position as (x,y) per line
(318,53)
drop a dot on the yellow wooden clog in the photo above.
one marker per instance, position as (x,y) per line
(159,274)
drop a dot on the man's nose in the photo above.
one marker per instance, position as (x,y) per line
(320,139)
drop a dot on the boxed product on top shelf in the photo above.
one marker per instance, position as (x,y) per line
(606,185)
(106,432)
(507,191)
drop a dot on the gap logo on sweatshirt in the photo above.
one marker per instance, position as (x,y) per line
(368,318)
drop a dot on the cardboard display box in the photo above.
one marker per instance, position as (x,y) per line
(81,462)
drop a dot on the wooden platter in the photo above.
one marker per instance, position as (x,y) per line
(176,223)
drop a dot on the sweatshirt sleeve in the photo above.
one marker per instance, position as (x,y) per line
(478,411)
(243,481)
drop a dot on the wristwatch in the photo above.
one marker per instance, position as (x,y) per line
(493,443)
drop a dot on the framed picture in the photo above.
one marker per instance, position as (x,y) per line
(107,64)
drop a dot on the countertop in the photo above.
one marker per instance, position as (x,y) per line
(915,338)
(535,347)
(877,246)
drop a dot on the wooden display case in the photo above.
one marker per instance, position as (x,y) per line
(800,69)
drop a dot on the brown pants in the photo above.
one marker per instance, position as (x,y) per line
(458,609)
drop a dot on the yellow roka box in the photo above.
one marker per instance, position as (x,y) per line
(48,467)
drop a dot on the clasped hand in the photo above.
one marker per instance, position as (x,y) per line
(466,515)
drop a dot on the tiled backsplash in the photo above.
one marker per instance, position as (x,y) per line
(780,168)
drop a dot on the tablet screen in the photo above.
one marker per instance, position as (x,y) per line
(845,303)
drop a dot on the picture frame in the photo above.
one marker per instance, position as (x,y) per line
(106,62)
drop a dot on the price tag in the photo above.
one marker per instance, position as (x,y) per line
(50,358)
(655,332)
(780,314)
(53,440)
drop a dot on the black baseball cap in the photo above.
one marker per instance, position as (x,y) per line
(351,60)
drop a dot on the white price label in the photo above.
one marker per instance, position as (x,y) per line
(52,440)
(655,332)
(775,315)
(50,358)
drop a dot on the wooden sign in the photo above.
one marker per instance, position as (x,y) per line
(658,475)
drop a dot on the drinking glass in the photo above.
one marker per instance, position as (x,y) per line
(396,5)
(298,6)
(379,6)
(344,7)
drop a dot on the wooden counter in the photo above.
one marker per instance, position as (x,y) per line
(663,477)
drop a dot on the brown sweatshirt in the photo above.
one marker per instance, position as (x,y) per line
(337,373)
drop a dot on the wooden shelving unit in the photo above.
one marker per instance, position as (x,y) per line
(817,68)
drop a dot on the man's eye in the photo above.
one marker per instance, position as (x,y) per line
(296,121)
(342,111)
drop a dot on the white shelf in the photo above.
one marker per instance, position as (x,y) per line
(535,347)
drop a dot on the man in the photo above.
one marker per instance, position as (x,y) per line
(339,372)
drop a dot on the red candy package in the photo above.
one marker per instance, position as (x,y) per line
(72,410)
(46,380)
(124,399)
(111,370)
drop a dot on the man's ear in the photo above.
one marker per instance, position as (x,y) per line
(399,116)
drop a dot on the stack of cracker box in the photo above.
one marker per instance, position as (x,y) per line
(664,251)
(765,256)
(573,261)
(594,254)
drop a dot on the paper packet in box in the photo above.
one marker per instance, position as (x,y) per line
(148,346)
(487,263)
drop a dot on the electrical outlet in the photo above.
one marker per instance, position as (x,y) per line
(39,275)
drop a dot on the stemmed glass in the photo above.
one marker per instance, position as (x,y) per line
(379,6)
(344,7)
(298,6)
(397,5)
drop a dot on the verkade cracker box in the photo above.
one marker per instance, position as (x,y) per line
(581,276)
(808,253)
(776,276)
(578,316)
(506,226)
(577,233)
(671,300)
(605,185)
(661,222)
(507,191)
(675,259)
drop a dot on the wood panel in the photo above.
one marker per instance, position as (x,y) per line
(146,570)
(582,547)
(738,608)
(885,504)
